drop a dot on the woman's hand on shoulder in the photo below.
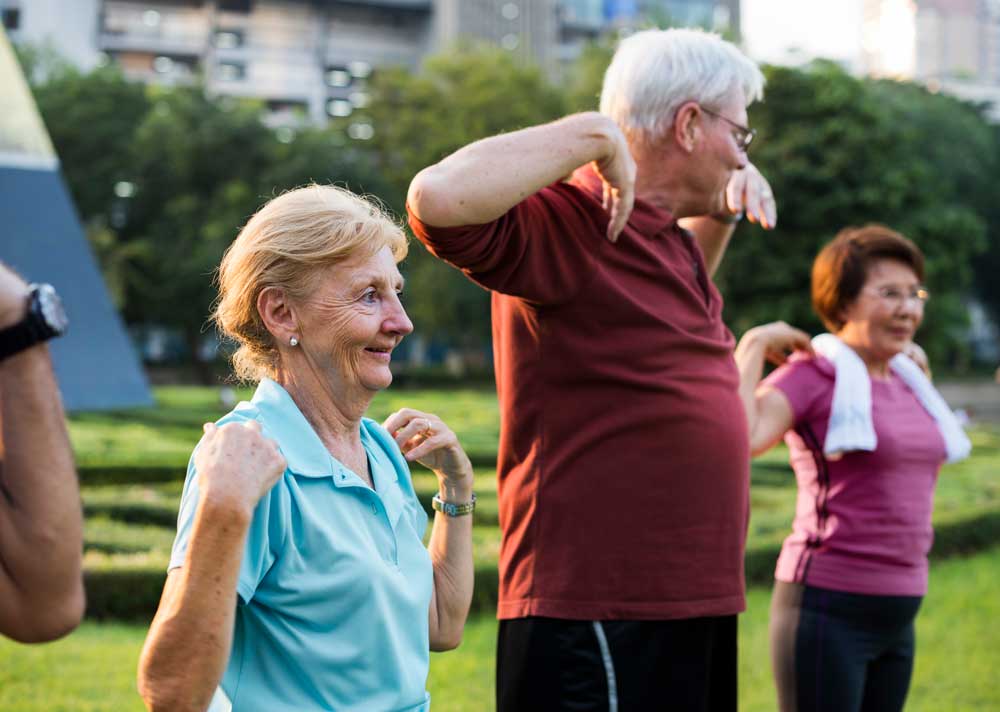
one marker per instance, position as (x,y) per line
(425,438)
(779,340)
(919,357)
(237,465)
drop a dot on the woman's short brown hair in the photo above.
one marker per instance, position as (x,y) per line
(841,267)
(286,244)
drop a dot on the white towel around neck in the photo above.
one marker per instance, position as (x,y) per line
(851,426)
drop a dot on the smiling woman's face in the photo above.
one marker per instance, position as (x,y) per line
(882,326)
(354,319)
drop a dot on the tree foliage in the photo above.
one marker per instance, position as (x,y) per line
(193,170)
(456,98)
(841,151)
(838,150)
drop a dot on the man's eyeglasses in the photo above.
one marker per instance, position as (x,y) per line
(897,297)
(744,135)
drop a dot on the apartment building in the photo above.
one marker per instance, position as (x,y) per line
(311,59)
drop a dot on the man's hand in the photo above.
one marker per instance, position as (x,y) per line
(237,465)
(617,171)
(13,297)
(748,191)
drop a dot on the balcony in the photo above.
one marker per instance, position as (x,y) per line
(167,30)
(416,5)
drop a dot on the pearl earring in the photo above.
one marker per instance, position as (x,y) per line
(293,341)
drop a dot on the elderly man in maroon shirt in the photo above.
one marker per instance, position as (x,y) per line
(623,467)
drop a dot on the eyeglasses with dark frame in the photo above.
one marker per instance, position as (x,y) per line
(744,135)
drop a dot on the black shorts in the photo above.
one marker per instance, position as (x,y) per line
(617,666)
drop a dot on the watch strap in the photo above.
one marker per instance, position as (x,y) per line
(451,509)
(31,330)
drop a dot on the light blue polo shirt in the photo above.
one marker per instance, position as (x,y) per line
(335,583)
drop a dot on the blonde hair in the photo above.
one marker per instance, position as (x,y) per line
(286,244)
(654,72)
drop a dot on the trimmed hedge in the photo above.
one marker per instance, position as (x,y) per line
(124,594)
(130,474)
(151,474)
(134,512)
(133,594)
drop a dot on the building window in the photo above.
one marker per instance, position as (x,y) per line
(235,6)
(163,65)
(338,77)
(228,39)
(361,131)
(339,107)
(11,18)
(510,42)
(359,69)
(230,71)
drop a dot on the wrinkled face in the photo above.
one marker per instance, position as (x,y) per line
(883,318)
(719,153)
(353,321)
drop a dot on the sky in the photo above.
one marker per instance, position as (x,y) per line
(779,31)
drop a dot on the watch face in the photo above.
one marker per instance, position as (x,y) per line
(51,308)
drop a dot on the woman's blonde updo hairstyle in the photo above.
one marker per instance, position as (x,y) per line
(286,244)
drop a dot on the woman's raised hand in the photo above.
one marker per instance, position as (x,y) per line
(237,465)
(424,437)
(779,340)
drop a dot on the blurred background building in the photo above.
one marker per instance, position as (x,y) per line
(949,45)
(312,58)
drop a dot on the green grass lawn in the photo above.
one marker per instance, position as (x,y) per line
(958,654)
(130,527)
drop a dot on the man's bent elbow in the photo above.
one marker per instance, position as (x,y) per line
(43,619)
(430,200)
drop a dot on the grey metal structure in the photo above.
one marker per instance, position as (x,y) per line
(41,238)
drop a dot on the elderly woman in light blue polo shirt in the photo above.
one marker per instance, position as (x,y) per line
(298,579)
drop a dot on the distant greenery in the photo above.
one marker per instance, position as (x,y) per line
(132,507)
(839,151)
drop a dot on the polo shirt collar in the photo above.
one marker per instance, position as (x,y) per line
(646,218)
(307,456)
(283,421)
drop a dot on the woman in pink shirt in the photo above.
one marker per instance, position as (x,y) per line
(852,574)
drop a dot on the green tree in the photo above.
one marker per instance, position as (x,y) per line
(163,179)
(201,168)
(842,151)
(987,266)
(586,76)
(456,98)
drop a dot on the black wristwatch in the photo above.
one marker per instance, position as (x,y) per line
(45,320)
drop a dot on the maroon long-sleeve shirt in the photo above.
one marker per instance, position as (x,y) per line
(623,468)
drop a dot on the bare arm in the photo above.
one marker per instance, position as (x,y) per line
(482,181)
(424,437)
(769,414)
(41,527)
(189,641)
(747,192)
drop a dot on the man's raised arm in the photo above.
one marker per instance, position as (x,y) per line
(482,181)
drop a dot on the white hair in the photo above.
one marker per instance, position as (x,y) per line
(654,72)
